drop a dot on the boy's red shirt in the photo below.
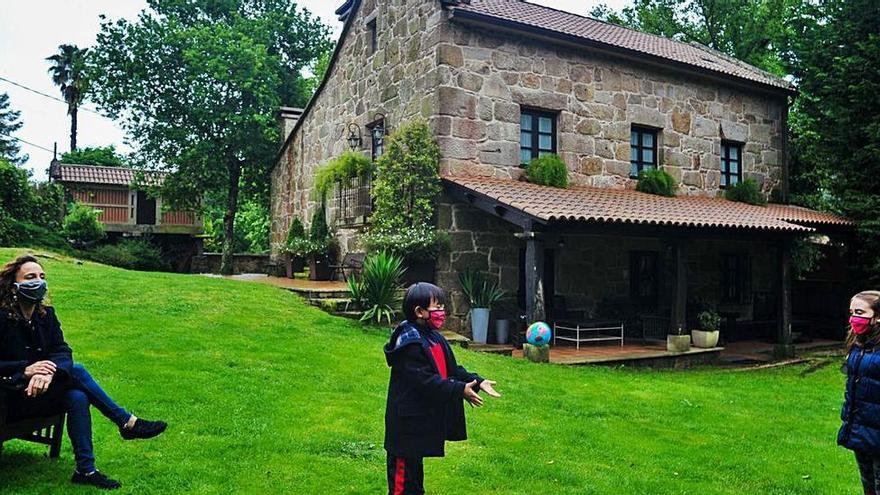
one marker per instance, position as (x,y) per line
(439,359)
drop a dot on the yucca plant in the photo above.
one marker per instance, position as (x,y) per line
(377,290)
(480,292)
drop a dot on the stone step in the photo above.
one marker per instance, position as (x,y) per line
(332,305)
(353,315)
(455,338)
(312,294)
(503,350)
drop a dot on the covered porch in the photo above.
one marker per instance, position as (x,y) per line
(589,255)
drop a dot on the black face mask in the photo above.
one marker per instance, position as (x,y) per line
(32,290)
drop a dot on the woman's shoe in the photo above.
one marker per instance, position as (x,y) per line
(96,479)
(143,429)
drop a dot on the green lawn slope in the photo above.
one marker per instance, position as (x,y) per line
(267,395)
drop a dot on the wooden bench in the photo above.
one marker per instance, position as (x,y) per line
(46,430)
(353,262)
(592,332)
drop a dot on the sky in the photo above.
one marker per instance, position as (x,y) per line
(31,30)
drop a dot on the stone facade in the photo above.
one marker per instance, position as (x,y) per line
(486,78)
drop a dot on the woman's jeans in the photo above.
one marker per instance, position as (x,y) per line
(869,469)
(83,393)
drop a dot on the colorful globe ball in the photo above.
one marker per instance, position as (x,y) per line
(539,333)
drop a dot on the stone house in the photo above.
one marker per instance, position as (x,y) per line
(503,81)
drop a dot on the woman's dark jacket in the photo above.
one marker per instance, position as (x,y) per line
(423,410)
(861,410)
(23,343)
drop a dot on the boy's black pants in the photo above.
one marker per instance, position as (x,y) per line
(406,476)
(869,469)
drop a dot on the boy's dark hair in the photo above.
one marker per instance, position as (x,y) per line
(420,294)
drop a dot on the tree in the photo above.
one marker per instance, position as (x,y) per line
(750,30)
(835,58)
(101,155)
(68,72)
(196,85)
(9,123)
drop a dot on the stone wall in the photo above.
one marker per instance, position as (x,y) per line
(486,77)
(398,80)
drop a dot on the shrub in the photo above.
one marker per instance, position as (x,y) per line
(405,191)
(377,290)
(746,191)
(297,244)
(48,208)
(709,321)
(548,170)
(479,291)
(656,181)
(347,166)
(81,226)
(101,155)
(16,194)
(131,254)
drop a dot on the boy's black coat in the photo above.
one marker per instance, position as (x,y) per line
(423,410)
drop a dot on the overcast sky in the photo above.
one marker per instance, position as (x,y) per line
(31,30)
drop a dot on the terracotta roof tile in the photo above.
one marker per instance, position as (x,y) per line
(93,174)
(594,31)
(590,204)
(806,216)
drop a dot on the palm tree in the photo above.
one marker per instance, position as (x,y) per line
(68,72)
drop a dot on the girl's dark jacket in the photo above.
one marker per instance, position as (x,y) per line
(861,410)
(23,343)
(423,410)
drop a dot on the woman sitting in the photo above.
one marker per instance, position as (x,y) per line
(41,378)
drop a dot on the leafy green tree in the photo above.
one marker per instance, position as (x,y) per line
(100,155)
(68,72)
(196,85)
(835,58)
(9,123)
(750,30)
(81,226)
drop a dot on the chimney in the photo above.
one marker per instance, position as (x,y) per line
(288,117)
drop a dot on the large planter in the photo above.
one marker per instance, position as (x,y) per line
(704,339)
(419,271)
(678,343)
(502,331)
(293,265)
(319,267)
(480,325)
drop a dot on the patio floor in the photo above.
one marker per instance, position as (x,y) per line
(643,354)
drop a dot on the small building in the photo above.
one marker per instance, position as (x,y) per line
(127,211)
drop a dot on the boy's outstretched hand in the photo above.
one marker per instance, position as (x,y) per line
(471,395)
(487,386)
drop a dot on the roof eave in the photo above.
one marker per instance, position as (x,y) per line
(477,19)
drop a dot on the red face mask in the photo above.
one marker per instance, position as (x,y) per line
(436,318)
(860,325)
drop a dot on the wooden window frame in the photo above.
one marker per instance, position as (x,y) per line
(640,164)
(534,148)
(735,287)
(726,174)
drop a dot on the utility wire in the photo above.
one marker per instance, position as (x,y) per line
(34,145)
(49,96)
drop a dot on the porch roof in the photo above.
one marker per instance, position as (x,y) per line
(617,206)
(94,174)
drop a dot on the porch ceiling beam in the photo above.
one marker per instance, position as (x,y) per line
(491,206)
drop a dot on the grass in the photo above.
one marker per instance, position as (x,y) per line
(267,395)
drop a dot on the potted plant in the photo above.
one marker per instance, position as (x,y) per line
(708,334)
(322,247)
(678,342)
(296,248)
(481,295)
(505,322)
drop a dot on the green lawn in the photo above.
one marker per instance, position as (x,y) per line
(267,395)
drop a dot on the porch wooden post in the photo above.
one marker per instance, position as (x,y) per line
(534,274)
(678,317)
(784,347)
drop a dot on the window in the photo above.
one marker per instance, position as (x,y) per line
(373,34)
(644,278)
(354,202)
(642,150)
(537,135)
(731,163)
(734,277)
(377,138)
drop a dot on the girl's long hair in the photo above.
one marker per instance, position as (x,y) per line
(872,297)
(8,299)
